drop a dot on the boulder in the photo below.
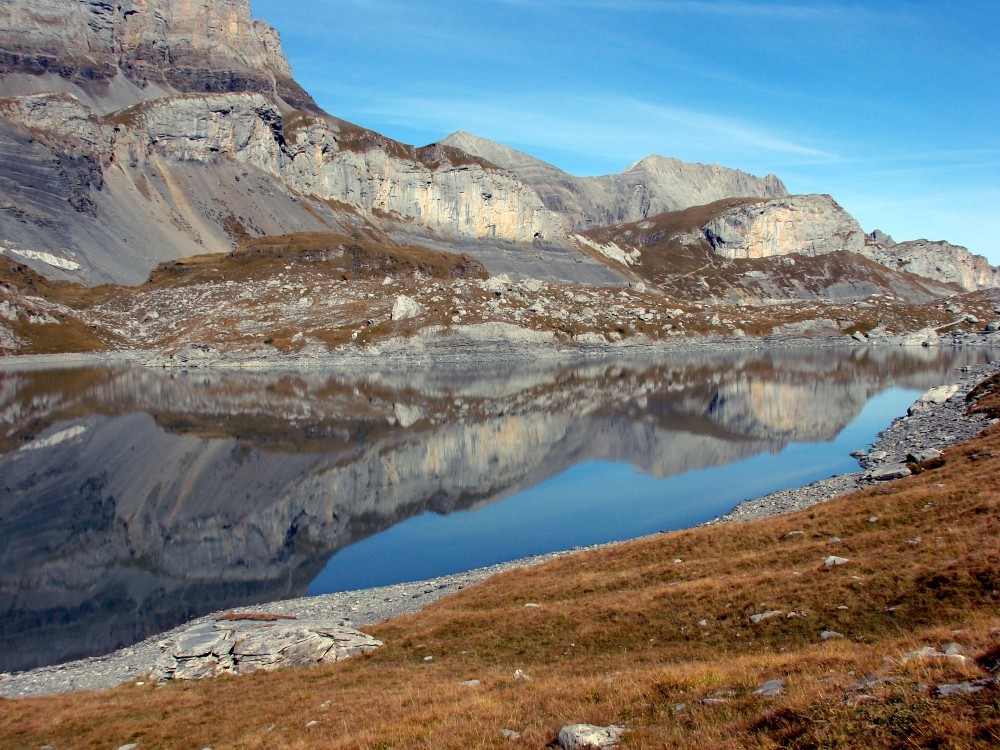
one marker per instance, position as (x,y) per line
(590,737)
(771,689)
(888,472)
(933,397)
(405,308)
(243,646)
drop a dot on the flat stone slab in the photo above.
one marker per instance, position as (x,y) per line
(235,646)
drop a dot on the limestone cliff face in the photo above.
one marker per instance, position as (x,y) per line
(183,45)
(648,187)
(135,170)
(942,261)
(810,225)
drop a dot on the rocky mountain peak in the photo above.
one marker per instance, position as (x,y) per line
(125,51)
(648,187)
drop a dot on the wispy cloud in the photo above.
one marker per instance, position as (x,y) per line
(605,129)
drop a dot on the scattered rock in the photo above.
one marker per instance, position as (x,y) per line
(833,560)
(497,284)
(965,688)
(590,737)
(827,635)
(923,456)
(765,616)
(520,676)
(937,395)
(532,286)
(469,683)
(771,689)
(405,308)
(889,472)
(929,652)
(510,734)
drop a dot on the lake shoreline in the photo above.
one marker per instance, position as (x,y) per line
(360,608)
(455,349)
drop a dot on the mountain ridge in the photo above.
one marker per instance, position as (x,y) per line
(143,132)
(652,185)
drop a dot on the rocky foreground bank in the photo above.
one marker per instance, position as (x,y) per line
(935,421)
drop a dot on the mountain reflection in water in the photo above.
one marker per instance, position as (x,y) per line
(134,499)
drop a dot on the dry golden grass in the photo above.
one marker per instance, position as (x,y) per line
(627,634)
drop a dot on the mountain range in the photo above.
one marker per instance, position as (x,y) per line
(141,132)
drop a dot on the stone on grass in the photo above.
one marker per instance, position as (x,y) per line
(771,689)
(590,737)
(833,560)
(929,652)
(764,616)
(406,307)
(888,472)
(965,688)
(922,456)
(827,635)
(243,646)
(497,284)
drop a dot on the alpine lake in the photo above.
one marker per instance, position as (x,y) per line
(133,499)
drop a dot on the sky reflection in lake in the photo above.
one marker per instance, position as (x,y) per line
(134,499)
(593,503)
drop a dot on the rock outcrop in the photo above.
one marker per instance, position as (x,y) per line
(941,261)
(144,48)
(243,645)
(648,187)
(139,175)
(810,225)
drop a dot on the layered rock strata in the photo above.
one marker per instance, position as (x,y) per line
(942,261)
(809,225)
(183,46)
(648,187)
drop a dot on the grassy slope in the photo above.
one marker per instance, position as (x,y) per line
(618,637)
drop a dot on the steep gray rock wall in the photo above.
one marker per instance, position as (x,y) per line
(184,45)
(806,224)
(941,261)
(138,175)
(651,186)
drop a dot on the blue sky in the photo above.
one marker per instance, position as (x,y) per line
(892,107)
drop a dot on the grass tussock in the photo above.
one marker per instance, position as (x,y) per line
(656,634)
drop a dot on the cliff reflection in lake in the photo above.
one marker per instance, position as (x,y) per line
(134,499)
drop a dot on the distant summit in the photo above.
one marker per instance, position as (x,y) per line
(651,186)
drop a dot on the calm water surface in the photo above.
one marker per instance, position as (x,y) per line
(133,499)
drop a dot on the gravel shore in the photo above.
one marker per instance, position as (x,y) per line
(933,426)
